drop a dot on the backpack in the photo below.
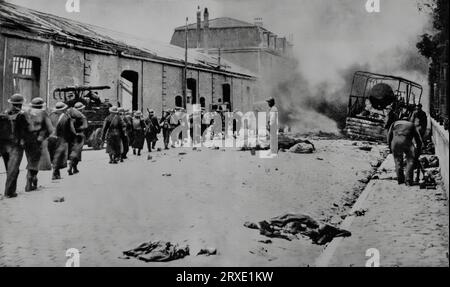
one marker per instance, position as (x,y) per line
(7,125)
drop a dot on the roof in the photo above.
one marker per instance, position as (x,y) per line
(222,22)
(61,30)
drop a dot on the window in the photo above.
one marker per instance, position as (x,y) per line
(202,102)
(178,101)
(22,66)
(26,76)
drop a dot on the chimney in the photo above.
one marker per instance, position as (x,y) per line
(258,22)
(198,31)
(205,30)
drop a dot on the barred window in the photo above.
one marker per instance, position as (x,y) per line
(22,66)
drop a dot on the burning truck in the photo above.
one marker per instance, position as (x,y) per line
(376,101)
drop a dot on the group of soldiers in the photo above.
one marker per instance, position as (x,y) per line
(123,129)
(406,134)
(50,141)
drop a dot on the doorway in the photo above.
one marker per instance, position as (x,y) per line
(129,81)
(192,86)
(226,95)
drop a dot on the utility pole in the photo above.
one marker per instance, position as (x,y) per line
(185,64)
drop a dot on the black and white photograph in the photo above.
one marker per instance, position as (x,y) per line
(224,133)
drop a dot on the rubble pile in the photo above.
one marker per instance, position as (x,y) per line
(287,226)
(158,251)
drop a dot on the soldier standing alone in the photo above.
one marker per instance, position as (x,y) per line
(400,141)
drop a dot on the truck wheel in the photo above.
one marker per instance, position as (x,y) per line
(97,142)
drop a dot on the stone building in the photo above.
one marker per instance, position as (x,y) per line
(249,45)
(40,52)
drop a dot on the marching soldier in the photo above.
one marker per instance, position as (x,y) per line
(13,127)
(153,129)
(400,141)
(36,143)
(138,133)
(128,120)
(123,136)
(113,128)
(63,134)
(166,128)
(76,145)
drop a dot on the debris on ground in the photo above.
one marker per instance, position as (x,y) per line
(261,251)
(319,158)
(251,225)
(286,142)
(429,161)
(288,225)
(267,241)
(358,212)
(365,148)
(302,148)
(166,174)
(159,149)
(149,157)
(58,199)
(429,182)
(181,153)
(375,163)
(194,148)
(159,251)
(207,251)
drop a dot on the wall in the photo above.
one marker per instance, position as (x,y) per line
(104,72)
(173,87)
(441,142)
(66,69)
(152,97)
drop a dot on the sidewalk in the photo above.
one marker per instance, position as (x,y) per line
(409,226)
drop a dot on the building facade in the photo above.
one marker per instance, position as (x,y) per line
(42,52)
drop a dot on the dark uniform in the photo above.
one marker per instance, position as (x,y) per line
(400,140)
(152,131)
(36,145)
(112,131)
(128,135)
(77,142)
(13,127)
(166,128)
(58,144)
(138,135)
(420,120)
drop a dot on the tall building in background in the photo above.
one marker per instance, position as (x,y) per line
(251,46)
